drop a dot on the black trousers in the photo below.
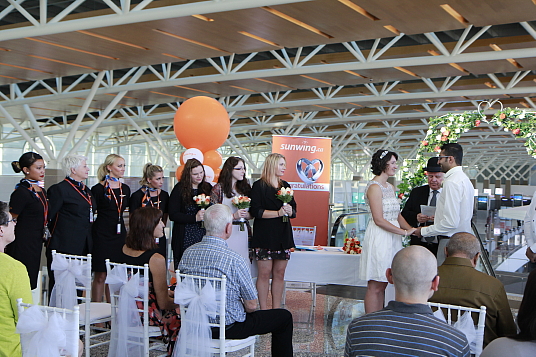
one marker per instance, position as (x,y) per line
(276,321)
(430,246)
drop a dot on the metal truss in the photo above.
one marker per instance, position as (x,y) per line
(126,13)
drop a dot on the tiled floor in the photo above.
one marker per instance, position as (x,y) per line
(318,331)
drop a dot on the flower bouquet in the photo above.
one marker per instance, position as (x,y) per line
(241,202)
(285,194)
(352,246)
(202,201)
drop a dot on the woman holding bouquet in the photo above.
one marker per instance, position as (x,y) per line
(383,237)
(232,183)
(272,234)
(183,210)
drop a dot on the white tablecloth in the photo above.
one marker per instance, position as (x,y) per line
(324,267)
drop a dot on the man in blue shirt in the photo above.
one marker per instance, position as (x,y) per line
(407,326)
(213,258)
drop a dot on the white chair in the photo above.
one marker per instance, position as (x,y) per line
(42,328)
(222,345)
(78,270)
(37,293)
(134,336)
(453,313)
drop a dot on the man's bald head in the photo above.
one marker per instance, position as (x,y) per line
(463,245)
(413,270)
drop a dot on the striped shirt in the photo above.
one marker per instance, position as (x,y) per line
(404,330)
(213,258)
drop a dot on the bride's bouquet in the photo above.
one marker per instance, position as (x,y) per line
(202,201)
(285,194)
(241,202)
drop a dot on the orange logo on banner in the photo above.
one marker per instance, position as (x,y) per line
(308,173)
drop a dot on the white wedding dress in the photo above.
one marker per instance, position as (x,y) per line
(380,246)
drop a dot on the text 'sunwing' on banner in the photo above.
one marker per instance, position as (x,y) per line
(308,173)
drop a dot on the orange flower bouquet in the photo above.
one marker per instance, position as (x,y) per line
(241,202)
(202,201)
(285,194)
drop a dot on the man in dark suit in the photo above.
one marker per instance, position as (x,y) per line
(424,195)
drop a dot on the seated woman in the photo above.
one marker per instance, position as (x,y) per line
(140,248)
(14,284)
(524,343)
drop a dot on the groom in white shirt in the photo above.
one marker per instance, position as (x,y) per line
(455,204)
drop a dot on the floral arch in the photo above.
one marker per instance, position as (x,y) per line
(448,128)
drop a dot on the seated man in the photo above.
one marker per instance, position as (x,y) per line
(212,258)
(461,284)
(407,326)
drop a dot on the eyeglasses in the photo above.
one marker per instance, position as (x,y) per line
(14,220)
(443,157)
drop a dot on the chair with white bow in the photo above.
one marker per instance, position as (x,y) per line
(131,332)
(72,275)
(461,318)
(48,331)
(202,304)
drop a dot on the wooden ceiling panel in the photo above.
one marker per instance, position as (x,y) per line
(494,12)
(411,16)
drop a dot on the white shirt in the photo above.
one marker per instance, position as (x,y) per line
(431,194)
(454,208)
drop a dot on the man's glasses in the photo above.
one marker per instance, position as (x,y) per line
(443,157)
(14,220)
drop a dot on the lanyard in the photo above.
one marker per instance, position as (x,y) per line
(43,201)
(81,192)
(119,203)
(146,200)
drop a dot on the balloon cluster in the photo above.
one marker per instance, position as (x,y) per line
(202,125)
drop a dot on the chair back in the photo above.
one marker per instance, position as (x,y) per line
(453,313)
(48,331)
(72,274)
(129,288)
(202,304)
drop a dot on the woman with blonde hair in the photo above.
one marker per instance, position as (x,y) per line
(272,235)
(109,229)
(151,195)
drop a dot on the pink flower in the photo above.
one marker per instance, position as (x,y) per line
(477,123)
(437,149)
(424,143)
(502,116)
(516,131)
(401,195)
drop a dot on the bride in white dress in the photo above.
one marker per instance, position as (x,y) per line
(383,237)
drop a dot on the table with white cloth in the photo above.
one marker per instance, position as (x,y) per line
(327,266)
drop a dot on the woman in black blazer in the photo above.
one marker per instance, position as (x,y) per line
(71,211)
(272,237)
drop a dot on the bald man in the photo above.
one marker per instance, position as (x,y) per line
(407,326)
(463,285)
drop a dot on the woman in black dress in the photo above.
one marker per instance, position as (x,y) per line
(140,248)
(72,207)
(272,237)
(151,195)
(109,229)
(186,214)
(29,205)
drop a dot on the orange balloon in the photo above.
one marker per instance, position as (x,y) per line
(178,172)
(216,174)
(213,159)
(202,123)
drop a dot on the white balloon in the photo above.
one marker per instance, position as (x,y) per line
(209,173)
(192,153)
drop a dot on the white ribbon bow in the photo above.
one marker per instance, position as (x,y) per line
(66,273)
(127,331)
(41,337)
(195,335)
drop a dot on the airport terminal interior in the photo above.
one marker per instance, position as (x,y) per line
(95,77)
